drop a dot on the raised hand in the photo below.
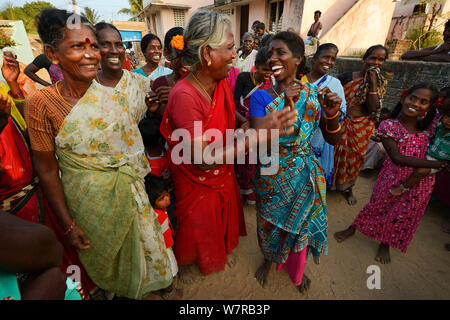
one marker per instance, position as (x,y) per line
(292,93)
(163,94)
(10,68)
(152,101)
(282,120)
(329,101)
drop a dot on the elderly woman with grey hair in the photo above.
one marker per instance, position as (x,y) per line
(208,205)
(246,57)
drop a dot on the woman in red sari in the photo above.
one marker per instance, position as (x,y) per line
(364,92)
(208,205)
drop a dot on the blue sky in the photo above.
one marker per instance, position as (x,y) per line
(106,8)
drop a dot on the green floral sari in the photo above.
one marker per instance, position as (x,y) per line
(101,157)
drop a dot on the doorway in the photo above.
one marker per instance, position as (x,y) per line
(244,20)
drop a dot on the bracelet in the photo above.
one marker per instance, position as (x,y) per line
(333,131)
(330,118)
(20,98)
(70,228)
(18,101)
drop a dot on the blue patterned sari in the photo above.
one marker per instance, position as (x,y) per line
(291,204)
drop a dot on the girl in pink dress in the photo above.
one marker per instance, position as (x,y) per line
(390,219)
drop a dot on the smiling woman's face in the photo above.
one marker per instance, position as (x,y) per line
(222,58)
(325,61)
(112,49)
(153,52)
(78,54)
(281,60)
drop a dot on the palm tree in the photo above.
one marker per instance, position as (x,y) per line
(136,7)
(92,15)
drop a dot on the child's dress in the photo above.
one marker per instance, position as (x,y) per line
(393,220)
(166,229)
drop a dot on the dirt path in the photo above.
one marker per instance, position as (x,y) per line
(422,273)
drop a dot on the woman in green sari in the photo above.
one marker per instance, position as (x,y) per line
(100,198)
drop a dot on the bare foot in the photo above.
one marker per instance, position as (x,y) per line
(186,275)
(231,260)
(262,272)
(351,200)
(383,255)
(396,192)
(344,234)
(172,293)
(306,283)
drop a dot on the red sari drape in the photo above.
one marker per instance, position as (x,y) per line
(208,204)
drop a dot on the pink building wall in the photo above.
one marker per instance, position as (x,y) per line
(403,20)
(365,24)
(331,10)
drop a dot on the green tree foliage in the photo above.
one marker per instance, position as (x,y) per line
(92,15)
(417,35)
(136,6)
(27,13)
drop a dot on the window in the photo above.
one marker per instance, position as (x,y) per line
(420,8)
(275,15)
(179,17)
(226,11)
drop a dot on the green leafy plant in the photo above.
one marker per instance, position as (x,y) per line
(136,6)
(423,39)
(6,41)
(27,13)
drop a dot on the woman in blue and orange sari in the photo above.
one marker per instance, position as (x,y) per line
(208,206)
(291,202)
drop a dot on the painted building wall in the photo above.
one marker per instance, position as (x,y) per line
(258,10)
(365,24)
(331,10)
(403,20)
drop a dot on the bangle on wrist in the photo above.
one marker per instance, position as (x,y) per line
(332,117)
(18,97)
(333,131)
(70,228)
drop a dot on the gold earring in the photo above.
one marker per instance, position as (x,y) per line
(55,62)
(209,63)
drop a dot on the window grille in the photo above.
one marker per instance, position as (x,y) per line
(179,17)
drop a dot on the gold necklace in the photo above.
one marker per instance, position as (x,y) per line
(252,76)
(59,93)
(202,87)
(276,93)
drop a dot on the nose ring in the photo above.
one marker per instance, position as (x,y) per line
(87,56)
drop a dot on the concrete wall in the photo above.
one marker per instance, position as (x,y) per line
(365,24)
(405,74)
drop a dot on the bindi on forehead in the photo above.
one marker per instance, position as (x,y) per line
(88,41)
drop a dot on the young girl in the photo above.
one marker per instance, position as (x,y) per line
(159,198)
(389,219)
(439,149)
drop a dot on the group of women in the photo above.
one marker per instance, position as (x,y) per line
(90,160)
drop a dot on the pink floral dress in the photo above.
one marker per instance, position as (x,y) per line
(393,220)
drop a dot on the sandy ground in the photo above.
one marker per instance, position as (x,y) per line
(421,273)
